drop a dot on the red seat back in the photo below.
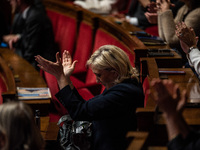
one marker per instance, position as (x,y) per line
(3,88)
(146,90)
(64,28)
(83,47)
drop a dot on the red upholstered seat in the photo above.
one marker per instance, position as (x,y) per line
(64,28)
(54,17)
(83,48)
(3,88)
(66,33)
(145,90)
(53,86)
(153,30)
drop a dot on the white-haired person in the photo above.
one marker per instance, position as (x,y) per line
(112,112)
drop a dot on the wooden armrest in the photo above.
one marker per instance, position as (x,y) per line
(52,132)
(139,139)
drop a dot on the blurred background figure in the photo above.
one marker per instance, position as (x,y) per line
(188,41)
(5,15)
(188,13)
(98,6)
(171,101)
(31,32)
(18,124)
(137,9)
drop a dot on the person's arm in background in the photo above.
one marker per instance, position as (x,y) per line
(170,101)
(188,41)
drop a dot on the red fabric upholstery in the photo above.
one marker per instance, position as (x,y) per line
(66,33)
(54,17)
(83,48)
(153,30)
(3,88)
(145,90)
(64,28)
(53,86)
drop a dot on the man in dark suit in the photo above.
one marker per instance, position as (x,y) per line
(31,32)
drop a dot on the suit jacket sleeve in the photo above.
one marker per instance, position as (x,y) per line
(167,23)
(115,101)
(194,59)
(191,142)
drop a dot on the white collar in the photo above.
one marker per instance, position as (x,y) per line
(24,14)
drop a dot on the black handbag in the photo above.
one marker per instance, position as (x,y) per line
(74,135)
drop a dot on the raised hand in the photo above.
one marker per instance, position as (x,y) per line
(168,96)
(163,5)
(54,68)
(68,65)
(187,36)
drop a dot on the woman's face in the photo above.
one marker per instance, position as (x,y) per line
(105,77)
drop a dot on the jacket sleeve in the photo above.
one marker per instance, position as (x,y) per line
(166,26)
(115,101)
(192,142)
(194,59)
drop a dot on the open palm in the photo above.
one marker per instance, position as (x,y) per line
(68,65)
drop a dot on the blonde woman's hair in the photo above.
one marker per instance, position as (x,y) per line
(110,57)
(17,120)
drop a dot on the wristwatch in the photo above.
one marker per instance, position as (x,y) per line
(190,49)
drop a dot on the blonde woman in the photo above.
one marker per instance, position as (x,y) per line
(113,112)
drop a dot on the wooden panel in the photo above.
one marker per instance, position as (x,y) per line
(25,75)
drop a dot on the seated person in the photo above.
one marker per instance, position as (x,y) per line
(112,113)
(120,6)
(135,15)
(18,127)
(170,101)
(188,42)
(188,13)
(31,33)
(137,10)
(99,6)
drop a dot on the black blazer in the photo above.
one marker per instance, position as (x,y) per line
(112,113)
(37,36)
